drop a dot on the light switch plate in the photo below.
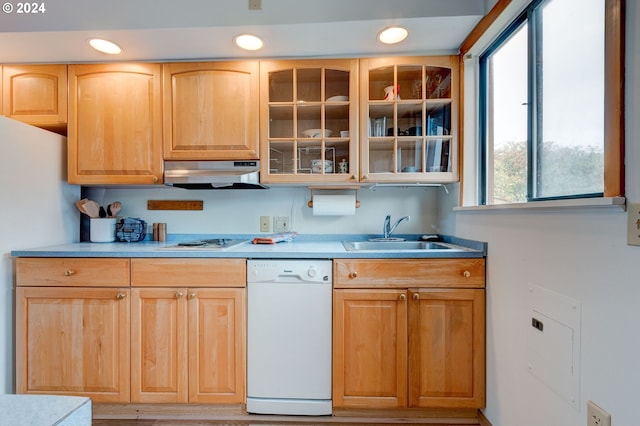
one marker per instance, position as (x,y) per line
(265,226)
(281,224)
(633,224)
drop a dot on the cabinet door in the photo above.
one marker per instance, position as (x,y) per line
(115,124)
(369,348)
(211,110)
(409,119)
(159,345)
(73,341)
(217,350)
(36,94)
(308,121)
(446,348)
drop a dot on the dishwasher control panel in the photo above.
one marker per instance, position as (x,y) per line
(297,270)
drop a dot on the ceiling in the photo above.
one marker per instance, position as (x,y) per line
(166,30)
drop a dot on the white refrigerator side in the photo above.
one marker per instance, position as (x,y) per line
(37,210)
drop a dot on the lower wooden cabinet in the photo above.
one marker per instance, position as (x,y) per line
(369,348)
(188,345)
(73,341)
(446,348)
(122,330)
(409,345)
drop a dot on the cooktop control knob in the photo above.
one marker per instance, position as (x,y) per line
(312,272)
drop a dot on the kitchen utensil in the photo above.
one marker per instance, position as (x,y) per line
(317,133)
(102,229)
(114,208)
(317,166)
(80,203)
(91,209)
(338,99)
(391,93)
(379,126)
(102,212)
(130,229)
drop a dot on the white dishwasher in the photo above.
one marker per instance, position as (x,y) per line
(289,337)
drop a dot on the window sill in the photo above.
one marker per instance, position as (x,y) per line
(618,203)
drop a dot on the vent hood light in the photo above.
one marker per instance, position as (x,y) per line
(105,46)
(392,35)
(248,42)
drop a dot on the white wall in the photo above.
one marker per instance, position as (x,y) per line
(239,211)
(578,253)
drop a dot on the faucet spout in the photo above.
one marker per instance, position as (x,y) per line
(387,228)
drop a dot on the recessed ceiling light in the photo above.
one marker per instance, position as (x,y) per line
(105,46)
(248,42)
(392,35)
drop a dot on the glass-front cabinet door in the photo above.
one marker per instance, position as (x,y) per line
(408,119)
(308,128)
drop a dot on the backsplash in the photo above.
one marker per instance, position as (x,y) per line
(239,211)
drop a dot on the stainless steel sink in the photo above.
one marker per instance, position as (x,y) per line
(394,245)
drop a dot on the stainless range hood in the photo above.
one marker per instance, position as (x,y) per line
(242,174)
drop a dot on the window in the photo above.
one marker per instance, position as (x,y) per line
(544,128)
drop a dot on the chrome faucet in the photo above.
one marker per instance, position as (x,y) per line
(387,228)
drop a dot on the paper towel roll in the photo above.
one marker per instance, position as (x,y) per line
(334,205)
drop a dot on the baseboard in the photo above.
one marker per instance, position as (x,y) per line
(482,420)
(237,413)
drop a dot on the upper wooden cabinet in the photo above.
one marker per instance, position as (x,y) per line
(211,110)
(36,94)
(115,124)
(409,119)
(308,121)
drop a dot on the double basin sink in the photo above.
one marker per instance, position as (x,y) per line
(395,245)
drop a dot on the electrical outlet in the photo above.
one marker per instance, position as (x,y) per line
(265,226)
(281,223)
(255,4)
(633,224)
(596,416)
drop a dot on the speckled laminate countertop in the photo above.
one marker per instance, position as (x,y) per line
(301,247)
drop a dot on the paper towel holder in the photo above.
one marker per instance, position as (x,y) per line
(332,188)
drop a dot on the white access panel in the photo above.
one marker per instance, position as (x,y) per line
(553,342)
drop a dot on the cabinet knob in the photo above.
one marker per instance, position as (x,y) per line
(69,272)
(179,295)
(155,179)
(353,274)
(416,296)
(121,296)
(191,296)
(466,274)
(402,297)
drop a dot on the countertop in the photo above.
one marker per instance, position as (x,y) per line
(29,410)
(319,246)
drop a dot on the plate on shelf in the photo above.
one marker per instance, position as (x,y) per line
(316,133)
(338,99)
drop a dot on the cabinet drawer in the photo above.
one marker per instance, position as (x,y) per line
(72,272)
(403,273)
(188,272)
